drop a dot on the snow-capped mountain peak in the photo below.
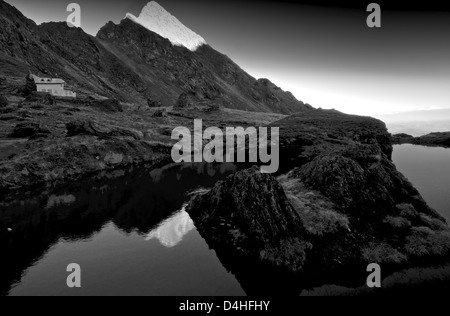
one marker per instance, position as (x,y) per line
(156,19)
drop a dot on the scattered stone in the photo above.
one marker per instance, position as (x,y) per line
(184,101)
(30,130)
(3,101)
(7,109)
(113,158)
(153,103)
(160,113)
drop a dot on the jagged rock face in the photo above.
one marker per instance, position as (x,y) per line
(196,73)
(16,36)
(250,212)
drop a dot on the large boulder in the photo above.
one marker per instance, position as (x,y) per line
(249,212)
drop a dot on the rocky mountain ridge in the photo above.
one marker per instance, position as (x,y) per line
(132,64)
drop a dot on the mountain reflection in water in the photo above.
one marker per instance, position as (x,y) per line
(139,202)
(171,231)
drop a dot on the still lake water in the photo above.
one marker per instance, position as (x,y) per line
(131,235)
(428,169)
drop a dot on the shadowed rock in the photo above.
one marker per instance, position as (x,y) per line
(160,113)
(250,213)
(29,129)
(90,128)
(153,103)
(184,101)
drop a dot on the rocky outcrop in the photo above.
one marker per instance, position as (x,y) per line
(250,213)
(436,139)
(433,139)
(341,201)
(402,138)
(307,135)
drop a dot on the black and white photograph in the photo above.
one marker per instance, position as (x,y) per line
(215,152)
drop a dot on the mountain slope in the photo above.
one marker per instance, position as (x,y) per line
(205,74)
(133,64)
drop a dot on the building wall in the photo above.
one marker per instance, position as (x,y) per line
(69,93)
(55,89)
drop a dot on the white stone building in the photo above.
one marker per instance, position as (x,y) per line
(54,86)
